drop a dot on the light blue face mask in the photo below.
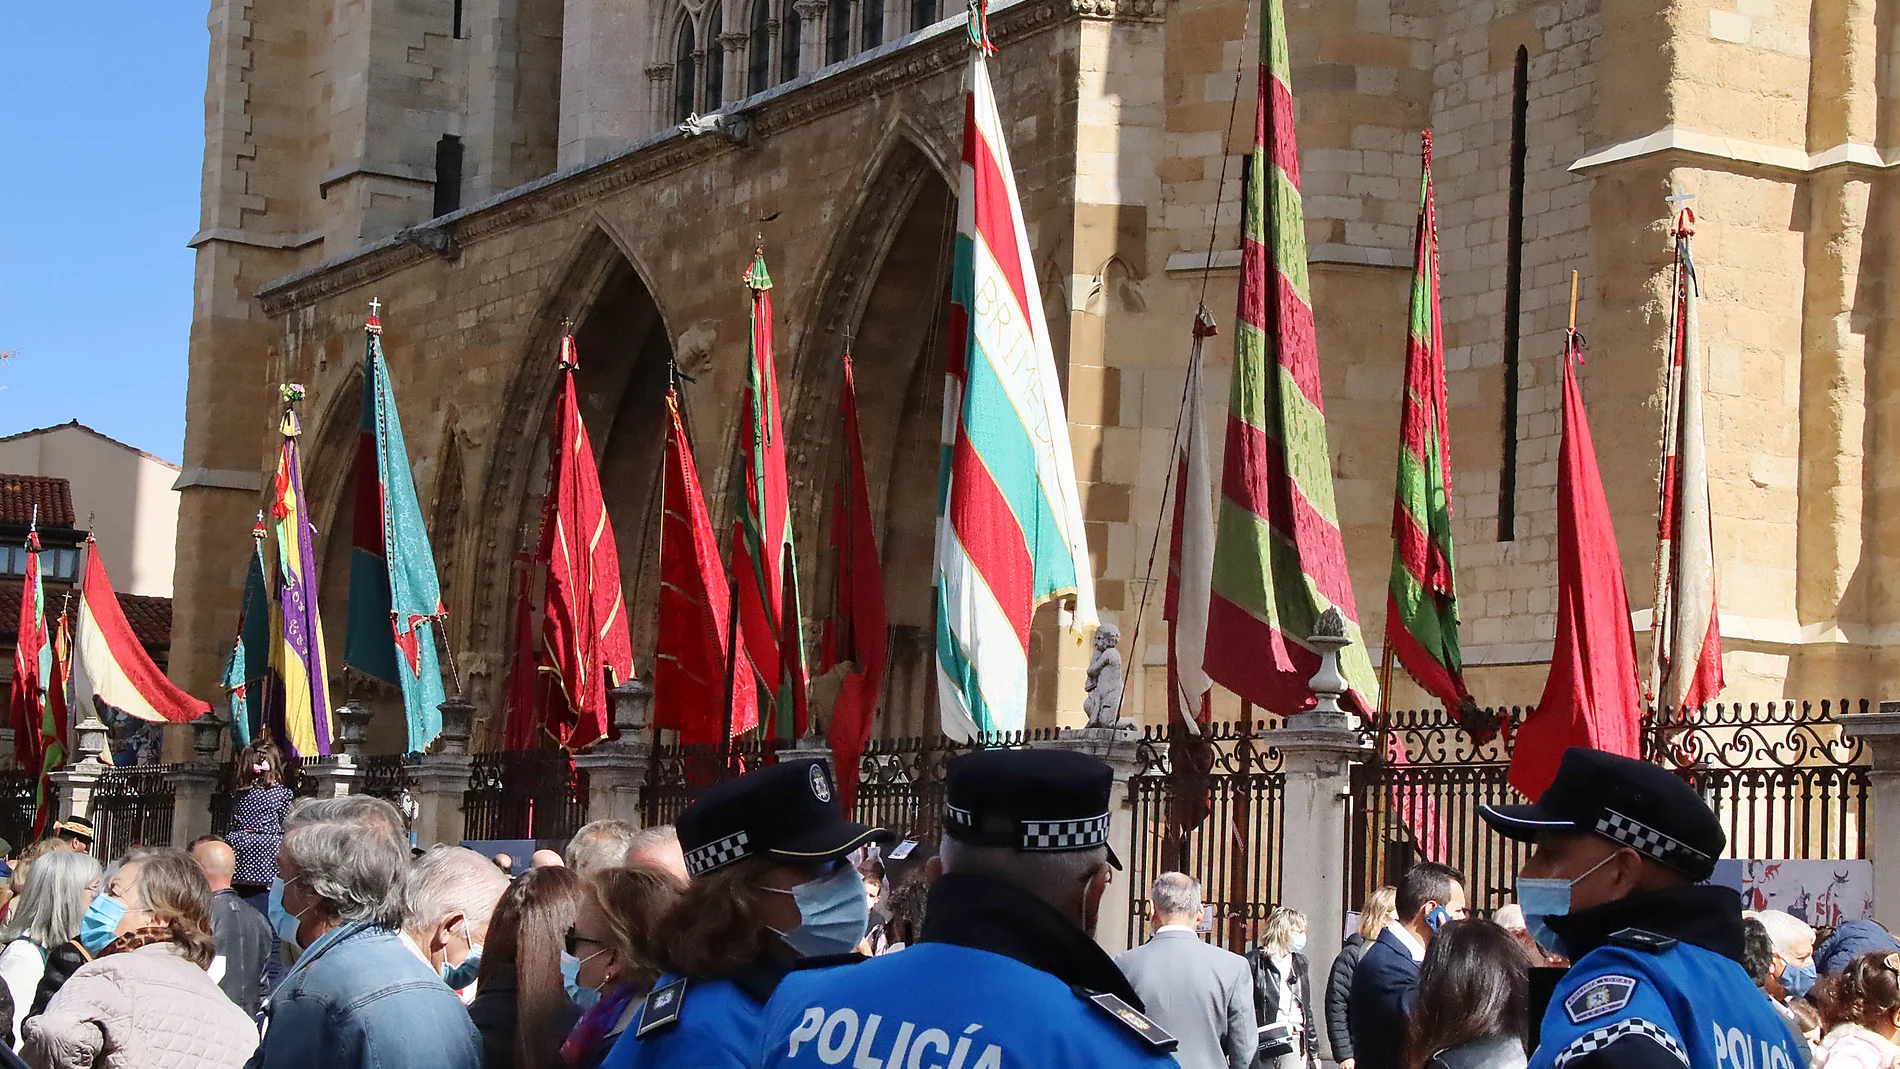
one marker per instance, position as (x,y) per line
(1798,979)
(101,922)
(834,913)
(584,997)
(460,976)
(1543,898)
(282,921)
(1297,944)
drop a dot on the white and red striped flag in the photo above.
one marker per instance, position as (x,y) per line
(111,665)
(1685,629)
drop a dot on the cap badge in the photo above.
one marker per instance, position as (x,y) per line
(820,783)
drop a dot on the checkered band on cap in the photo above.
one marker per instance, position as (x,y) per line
(714,854)
(1647,840)
(1084,834)
(962,818)
(1635,1027)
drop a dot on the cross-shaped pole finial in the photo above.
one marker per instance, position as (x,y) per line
(1678,199)
(375,306)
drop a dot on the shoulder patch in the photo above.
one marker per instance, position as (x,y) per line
(662,1008)
(1646,942)
(1152,1035)
(1635,1028)
(1599,998)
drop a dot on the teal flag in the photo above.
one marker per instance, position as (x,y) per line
(247,672)
(395,598)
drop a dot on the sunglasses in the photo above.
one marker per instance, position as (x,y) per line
(574,940)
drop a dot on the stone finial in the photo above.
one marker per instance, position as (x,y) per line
(631,704)
(89,737)
(207,737)
(1328,637)
(353,727)
(1331,624)
(458,723)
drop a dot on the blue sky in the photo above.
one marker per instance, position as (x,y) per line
(101,149)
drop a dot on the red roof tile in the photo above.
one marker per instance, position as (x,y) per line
(20,493)
(151,618)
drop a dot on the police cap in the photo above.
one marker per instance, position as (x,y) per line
(1642,806)
(1036,801)
(787,812)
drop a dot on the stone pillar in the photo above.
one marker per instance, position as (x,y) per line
(1120,749)
(811,34)
(1880,732)
(195,782)
(1318,748)
(353,728)
(733,52)
(75,782)
(333,776)
(617,769)
(440,780)
(660,95)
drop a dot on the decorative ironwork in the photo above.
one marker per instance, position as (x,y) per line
(1234,849)
(17,807)
(901,781)
(387,777)
(525,794)
(132,807)
(680,772)
(1782,777)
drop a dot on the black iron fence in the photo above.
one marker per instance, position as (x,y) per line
(525,794)
(1211,807)
(386,776)
(1782,777)
(131,807)
(679,772)
(18,806)
(901,781)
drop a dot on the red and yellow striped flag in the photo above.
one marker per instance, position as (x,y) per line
(1279,560)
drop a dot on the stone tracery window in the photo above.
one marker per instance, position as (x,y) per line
(838,30)
(684,75)
(870,23)
(922,13)
(759,49)
(790,26)
(715,60)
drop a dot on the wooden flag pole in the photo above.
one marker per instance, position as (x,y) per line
(1573,302)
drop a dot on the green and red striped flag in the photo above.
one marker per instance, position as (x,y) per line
(1009,529)
(1421,606)
(1279,560)
(764,563)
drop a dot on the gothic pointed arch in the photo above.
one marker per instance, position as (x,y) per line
(625,347)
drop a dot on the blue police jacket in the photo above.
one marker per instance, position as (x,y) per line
(711,1024)
(1658,983)
(1000,980)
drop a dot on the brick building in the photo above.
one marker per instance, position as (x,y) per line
(489,170)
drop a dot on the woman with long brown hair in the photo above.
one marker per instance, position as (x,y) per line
(1473,1008)
(612,939)
(521,1006)
(146,1001)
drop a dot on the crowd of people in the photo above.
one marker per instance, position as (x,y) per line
(1617,953)
(767,930)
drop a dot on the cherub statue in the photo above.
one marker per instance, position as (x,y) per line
(1103,689)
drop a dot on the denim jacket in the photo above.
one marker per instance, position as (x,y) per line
(360,999)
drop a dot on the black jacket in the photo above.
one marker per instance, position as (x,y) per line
(64,960)
(1339,995)
(1383,988)
(494,1013)
(243,939)
(1266,998)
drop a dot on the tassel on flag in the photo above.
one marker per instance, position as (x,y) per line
(858,632)
(1190,578)
(1590,698)
(764,564)
(110,666)
(689,668)
(395,596)
(584,623)
(1685,629)
(1279,559)
(297,652)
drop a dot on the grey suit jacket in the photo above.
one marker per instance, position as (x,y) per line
(1201,994)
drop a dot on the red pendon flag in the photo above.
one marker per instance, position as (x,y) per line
(1590,698)
(689,670)
(110,665)
(1279,558)
(584,622)
(770,618)
(1685,629)
(525,685)
(1190,578)
(31,661)
(857,631)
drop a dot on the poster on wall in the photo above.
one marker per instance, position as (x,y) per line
(1822,893)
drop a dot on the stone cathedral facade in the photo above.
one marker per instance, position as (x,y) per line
(491,169)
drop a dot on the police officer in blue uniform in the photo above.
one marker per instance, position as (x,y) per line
(1615,885)
(772,883)
(1006,975)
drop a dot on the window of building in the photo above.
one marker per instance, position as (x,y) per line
(837,30)
(922,13)
(715,61)
(871,23)
(759,49)
(1513,297)
(790,28)
(455,20)
(685,77)
(448,174)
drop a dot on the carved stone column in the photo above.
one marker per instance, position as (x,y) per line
(75,783)
(1880,731)
(660,96)
(617,769)
(811,34)
(195,782)
(440,779)
(1120,749)
(732,48)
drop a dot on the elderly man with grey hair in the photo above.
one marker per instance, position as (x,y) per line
(357,997)
(658,846)
(1794,951)
(599,845)
(448,898)
(1201,994)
